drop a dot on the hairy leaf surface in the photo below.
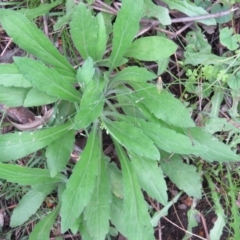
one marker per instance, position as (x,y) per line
(28,142)
(47,79)
(133,139)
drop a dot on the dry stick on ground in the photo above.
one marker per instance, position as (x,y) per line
(195,235)
(5,49)
(204,225)
(101,6)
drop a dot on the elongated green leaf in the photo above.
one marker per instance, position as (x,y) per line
(31,39)
(115,175)
(11,77)
(85,73)
(150,177)
(163,105)
(40,10)
(125,29)
(65,19)
(42,230)
(28,142)
(101,37)
(135,74)
(88,33)
(47,79)
(207,59)
(190,9)
(126,99)
(58,153)
(192,222)
(117,218)
(183,175)
(36,97)
(81,183)
(151,48)
(220,223)
(159,12)
(91,104)
(133,139)
(168,139)
(84,232)
(216,101)
(137,219)
(97,212)
(13,97)
(215,150)
(27,206)
(28,176)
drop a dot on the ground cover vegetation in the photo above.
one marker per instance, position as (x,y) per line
(119,119)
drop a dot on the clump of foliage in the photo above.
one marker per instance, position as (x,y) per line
(152,131)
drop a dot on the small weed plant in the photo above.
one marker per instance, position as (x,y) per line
(108,95)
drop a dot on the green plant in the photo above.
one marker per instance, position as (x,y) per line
(151,130)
